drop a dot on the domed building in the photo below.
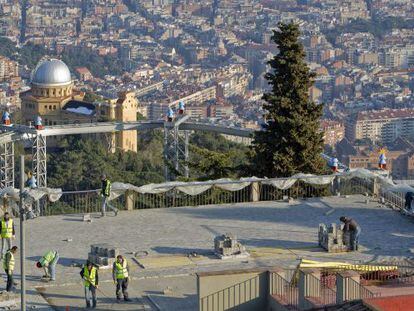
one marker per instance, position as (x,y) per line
(53,97)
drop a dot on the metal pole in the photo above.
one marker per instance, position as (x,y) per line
(22,238)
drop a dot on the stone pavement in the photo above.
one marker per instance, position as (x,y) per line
(278,233)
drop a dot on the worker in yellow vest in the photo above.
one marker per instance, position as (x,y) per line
(8,266)
(48,263)
(106,193)
(89,274)
(120,275)
(7,233)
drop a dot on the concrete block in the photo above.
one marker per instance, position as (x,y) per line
(87,218)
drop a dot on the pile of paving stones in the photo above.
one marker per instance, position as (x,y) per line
(333,238)
(103,255)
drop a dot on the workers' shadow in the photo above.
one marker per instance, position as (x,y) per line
(182,251)
(63,261)
(278,243)
(78,218)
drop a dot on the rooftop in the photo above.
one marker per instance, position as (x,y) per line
(385,114)
(277,234)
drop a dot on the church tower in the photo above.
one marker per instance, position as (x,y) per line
(126,109)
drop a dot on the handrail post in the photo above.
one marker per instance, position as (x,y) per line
(255,192)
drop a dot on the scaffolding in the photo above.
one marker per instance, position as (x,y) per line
(7,164)
(39,154)
(175,150)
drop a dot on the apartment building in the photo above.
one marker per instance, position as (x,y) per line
(381,126)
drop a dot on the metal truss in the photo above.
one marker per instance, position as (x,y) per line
(6,164)
(176,135)
(39,160)
(175,150)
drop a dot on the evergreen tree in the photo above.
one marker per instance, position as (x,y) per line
(290,141)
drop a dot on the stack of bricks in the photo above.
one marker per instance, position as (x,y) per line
(333,238)
(227,246)
(103,255)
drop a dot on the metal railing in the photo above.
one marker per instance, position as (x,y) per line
(321,294)
(360,291)
(284,291)
(90,201)
(404,275)
(395,199)
(232,296)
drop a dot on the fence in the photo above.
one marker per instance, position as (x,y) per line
(284,291)
(90,201)
(323,294)
(404,275)
(395,199)
(358,290)
(232,296)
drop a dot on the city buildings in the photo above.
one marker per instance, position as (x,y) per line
(381,126)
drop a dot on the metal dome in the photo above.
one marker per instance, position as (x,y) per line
(51,72)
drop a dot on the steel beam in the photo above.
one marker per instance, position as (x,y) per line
(109,127)
(176,136)
(39,168)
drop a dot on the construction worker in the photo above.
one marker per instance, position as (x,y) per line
(181,107)
(8,266)
(120,275)
(170,115)
(354,229)
(334,164)
(38,123)
(48,263)
(89,274)
(409,196)
(382,160)
(106,193)
(7,233)
(31,181)
(6,118)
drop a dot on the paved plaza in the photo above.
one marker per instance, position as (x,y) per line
(157,242)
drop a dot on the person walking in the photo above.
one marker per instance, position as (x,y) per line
(8,266)
(48,263)
(7,233)
(106,193)
(409,196)
(90,277)
(355,230)
(120,275)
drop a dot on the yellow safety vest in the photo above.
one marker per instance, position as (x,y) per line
(10,264)
(47,258)
(107,190)
(6,229)
(90,278)
(121,270)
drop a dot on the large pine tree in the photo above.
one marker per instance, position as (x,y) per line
(291,141)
